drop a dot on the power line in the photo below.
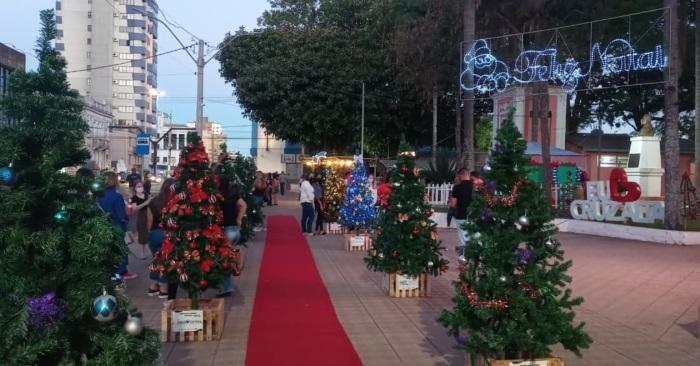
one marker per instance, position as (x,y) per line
(175,24)
(128,62)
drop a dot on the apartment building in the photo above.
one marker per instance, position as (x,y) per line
(110,47)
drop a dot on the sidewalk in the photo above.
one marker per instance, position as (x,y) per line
(641,305)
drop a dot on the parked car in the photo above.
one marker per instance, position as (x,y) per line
(122,177)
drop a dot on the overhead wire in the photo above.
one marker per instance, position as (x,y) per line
(126,62)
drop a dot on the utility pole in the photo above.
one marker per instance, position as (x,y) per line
(200,87)
(362,128)
(435,120)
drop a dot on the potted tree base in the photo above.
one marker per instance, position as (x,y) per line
(358,242)
(398,285)
(179,323)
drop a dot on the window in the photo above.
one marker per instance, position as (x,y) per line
(89,27)
(123,29)
(127,56)
(165,159)
(127,69)
(181,141)
(133,16)
(126,96)
(89,54)
(125,109)
(89,14)
(89,67)
(89,41)
(89,81)
(612,161)
(123,82)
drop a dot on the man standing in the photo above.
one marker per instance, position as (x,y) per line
(306,196)
(460,199)
(133,177)
(283,183)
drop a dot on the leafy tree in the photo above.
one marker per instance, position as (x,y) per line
(58,251)
(443,171)
(406,239)
(194,252)
(511,297)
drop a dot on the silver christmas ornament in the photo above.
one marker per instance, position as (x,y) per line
(476,236)
(380,255)
(503,279)
(462,259)
(133,325)
(523,220)
(549,242)
(487,167)
(430,263)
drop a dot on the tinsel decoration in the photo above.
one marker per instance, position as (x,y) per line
(473,298)
(45,310)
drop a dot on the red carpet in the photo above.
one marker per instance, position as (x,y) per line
(294,322)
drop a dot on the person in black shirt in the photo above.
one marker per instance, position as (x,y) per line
(460,199)
(133,178)
(234,209)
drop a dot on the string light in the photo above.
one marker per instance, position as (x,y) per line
(491,75)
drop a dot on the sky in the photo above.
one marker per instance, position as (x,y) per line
(206,19)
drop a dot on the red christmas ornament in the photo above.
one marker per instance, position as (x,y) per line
(415,231)
(203,283)
(394,253)
(206,265)
(193,245)
(443,268)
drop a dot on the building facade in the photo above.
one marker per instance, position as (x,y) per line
(110,47)
(99,117)
(172,138)
(10,60)
(274,155)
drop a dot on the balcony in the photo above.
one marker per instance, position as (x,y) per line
(138,49)
(136,23)
(138,36)
(139,76)
(141,103)
(138,63)
(140,90)
(152,81)
(141,117)
(135,9)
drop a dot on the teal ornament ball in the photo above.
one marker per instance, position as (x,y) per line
(95,186)
(104,307)
(7,175)
(61,215)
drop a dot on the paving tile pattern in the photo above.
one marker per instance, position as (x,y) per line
(641,305)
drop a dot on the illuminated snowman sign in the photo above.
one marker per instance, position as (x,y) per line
(491,75)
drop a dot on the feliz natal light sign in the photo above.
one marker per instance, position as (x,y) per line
(492,75)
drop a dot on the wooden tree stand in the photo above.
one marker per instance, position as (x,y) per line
(550,361)
(404,286)
(353,244)
(335,228)
(212,321)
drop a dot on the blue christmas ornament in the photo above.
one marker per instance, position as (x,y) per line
(104,307)
(61,215)
(7,175)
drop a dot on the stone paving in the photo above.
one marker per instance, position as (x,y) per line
(641,305)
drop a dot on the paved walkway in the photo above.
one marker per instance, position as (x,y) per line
(641,305)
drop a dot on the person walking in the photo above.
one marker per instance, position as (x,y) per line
(318,205)
(157,236)
(306,196)
(283,183)
(460,200)
(112,203)
(275,188)
(147,183)
(234,209)
(133,177)
(139,214)
(259,189)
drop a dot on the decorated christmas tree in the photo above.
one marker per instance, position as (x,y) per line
(512,300)
(406,239)
(237,168)
(59,251)
(334,195)
(358,211)
(194,252)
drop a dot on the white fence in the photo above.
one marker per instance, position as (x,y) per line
(439,194)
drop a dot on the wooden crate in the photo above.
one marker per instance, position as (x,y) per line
(367,242)
(335,228)
(212,315)
(550,361)
(394,287)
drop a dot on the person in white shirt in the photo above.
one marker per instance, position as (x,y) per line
(306,196)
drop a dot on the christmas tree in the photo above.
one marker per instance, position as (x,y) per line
(358,211)
(237,168)
(334,195)
(512,300)
(194,252)
(59,251)
(406,239)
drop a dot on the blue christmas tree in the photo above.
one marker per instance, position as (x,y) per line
(358,209)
